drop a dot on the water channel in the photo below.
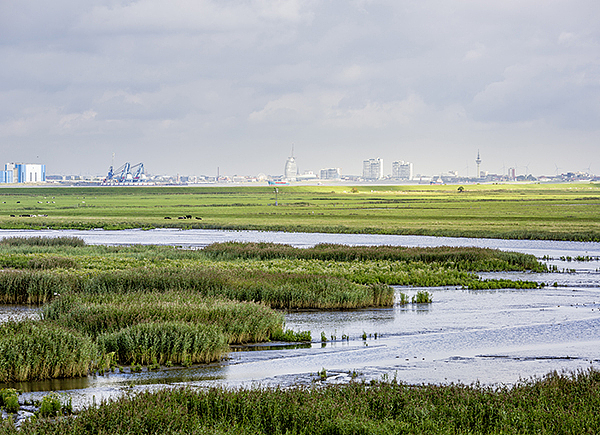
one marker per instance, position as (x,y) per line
(494,337)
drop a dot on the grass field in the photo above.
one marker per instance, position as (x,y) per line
(520,211)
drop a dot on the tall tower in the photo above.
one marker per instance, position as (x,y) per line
(291,169)
(478,161)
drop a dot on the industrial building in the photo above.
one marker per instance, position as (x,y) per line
(402,170)
(373,169)
(23,173)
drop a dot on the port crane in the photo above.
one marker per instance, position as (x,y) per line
(125,173)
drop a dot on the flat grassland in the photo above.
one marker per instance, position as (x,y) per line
(516,211)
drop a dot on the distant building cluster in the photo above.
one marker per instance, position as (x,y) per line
(23,173)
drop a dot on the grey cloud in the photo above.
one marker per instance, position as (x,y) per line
(245,78)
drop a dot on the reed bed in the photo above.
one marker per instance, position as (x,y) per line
(461,258)
(33,287)
(554,404)
(276,289)
(43,241)
(95,315)
(165,342)
(35,350)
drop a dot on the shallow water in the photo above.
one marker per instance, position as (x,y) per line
(497,336)
(201,238)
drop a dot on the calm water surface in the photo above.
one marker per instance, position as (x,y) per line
(466,336)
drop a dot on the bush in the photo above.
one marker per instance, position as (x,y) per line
(422,297)
(50,406)
(9,400)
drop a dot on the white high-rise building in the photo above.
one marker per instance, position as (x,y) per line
(402,170)
(373,169)
(331,174)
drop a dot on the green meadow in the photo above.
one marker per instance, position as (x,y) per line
(518,211)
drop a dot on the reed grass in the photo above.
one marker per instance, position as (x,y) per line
(95,315)
(422,297)
(43,241)
(157,343)
(33,287)
(460,258)
(32,350)
(554,404)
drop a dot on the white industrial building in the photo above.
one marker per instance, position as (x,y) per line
(23,173)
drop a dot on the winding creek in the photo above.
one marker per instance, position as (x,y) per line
(497,336)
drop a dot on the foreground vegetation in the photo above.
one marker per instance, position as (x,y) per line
(512,211)
(555,404)
(156,305)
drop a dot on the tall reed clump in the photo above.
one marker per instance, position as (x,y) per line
(33,286)
(556,404)
(461,258)
(43,241)
(159,342)
(242,322)
(276,289)
(36,350)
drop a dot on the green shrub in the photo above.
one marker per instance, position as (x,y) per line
(422,297)
(50,406)
(9,400)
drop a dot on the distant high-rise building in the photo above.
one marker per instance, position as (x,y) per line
(402,170)
(331,174)
(291,169)
(373,169)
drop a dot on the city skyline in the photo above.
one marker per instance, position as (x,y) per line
(190,86)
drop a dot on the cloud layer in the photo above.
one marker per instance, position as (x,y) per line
(188,86)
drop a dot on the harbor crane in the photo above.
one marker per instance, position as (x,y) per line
(125,173)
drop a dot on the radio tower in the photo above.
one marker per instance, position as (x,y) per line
(478,161)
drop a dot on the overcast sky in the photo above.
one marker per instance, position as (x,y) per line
(186,86)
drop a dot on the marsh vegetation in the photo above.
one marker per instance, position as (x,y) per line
(152,305)
(557,403)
